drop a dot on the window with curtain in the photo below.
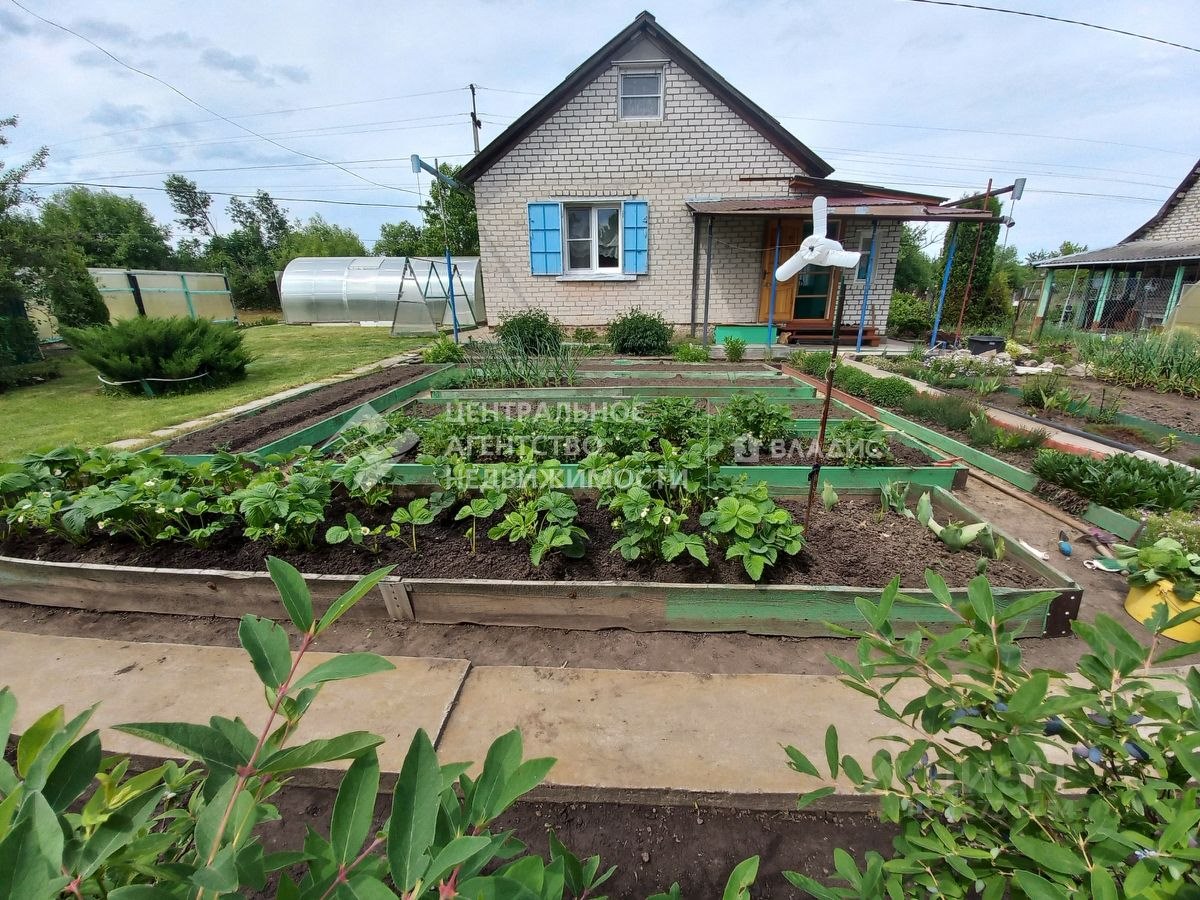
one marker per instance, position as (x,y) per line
(641,93)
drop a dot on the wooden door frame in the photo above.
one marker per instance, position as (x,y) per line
(764,290)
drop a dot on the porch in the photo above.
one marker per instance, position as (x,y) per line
(739,243)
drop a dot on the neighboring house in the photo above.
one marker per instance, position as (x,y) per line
(646,179)
(1137,283)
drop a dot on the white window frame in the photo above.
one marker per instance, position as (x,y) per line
(661,72)
(594,238)
(864,247)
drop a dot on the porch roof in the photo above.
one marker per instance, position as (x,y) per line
(1130,252)
(863,206)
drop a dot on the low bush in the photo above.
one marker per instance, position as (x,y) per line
(18,341)
(761,419)
(585,336)
(690,353)
(531,331)
(637,333)
(735,348)
(986,434)
(442,350)
(852,380)
(890,392)
(26,374)
(1121,481)
(183,353)
(909,315)
(814,363)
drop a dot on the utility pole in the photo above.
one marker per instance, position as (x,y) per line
(475,123)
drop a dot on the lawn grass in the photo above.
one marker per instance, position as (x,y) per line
(72,409)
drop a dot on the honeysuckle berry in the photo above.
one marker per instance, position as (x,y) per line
(1054,725)
(1136,751)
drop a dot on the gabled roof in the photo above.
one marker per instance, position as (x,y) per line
(1178,194)
(644,26)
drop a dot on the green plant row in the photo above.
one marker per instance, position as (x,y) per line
(1121,481)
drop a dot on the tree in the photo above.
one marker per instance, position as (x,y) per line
(915,273)
(191,205)
(318,238)
(980,307)
(1066,248)
(110,230)
(458,226)
(40,268)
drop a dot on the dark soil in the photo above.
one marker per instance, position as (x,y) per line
(846,546)
(796,453)
(259,429)
(651,846)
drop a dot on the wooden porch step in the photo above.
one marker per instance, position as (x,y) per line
(800,332)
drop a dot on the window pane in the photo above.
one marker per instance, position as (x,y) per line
(639,84)
(608,225)
(580,254)
(639,107)
(579,223)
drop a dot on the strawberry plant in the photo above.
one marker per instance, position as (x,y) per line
(752,528)
(478,509)
(417,513)
(355,532)
(547,521)
(283,509)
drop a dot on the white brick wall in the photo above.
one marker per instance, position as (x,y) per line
(1181,223)
(700,147)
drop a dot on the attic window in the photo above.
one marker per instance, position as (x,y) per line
(641,93)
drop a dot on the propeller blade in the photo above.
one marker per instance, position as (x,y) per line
(820,210)
(798,261)
(843,259)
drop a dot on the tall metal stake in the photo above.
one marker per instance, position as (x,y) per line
(814,471)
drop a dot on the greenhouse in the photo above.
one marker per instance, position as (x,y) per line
(137,292)
(407,293)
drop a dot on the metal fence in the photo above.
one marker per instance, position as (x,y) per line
(1108,300)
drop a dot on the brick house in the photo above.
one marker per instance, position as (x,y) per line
(1137,283)
(645,179)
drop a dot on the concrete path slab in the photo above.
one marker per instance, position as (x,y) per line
(666,737)
(136,682)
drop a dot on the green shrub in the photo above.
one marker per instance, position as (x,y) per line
(762,419)
(75,300)
(692,353)
(890,392)
(18,341)
(531,331)
(909,315)
(585,336)
(1018,781)
(735,348)
(638,333)
(174,348)
(1121,481)
(442,350)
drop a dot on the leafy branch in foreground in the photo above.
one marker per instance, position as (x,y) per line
(1020,782)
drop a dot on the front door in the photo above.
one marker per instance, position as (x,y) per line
(806,296)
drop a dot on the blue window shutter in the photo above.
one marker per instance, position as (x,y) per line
(637,237)
(545,238)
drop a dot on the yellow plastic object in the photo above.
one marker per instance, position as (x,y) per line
(1141,601)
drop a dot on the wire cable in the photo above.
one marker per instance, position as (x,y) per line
(1048,18)
(147,187)
(194,102)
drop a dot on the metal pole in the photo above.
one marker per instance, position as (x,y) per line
(707,279)
(862,314)
(695,269)
(449,264)
(962,312)
(774,287)
(937,319)
(815,470)
(475,123)
(1070,293)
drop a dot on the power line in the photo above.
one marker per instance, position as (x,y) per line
(507,91)
(1025,134)
(983,159)
(145,187)
(1033,15)
(197,103)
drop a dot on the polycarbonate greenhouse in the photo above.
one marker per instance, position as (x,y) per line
(141,292)
(408,293)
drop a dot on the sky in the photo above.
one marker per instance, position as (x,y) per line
(893,92)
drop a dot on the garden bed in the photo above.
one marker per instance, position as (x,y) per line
(281,420)
(443,582)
